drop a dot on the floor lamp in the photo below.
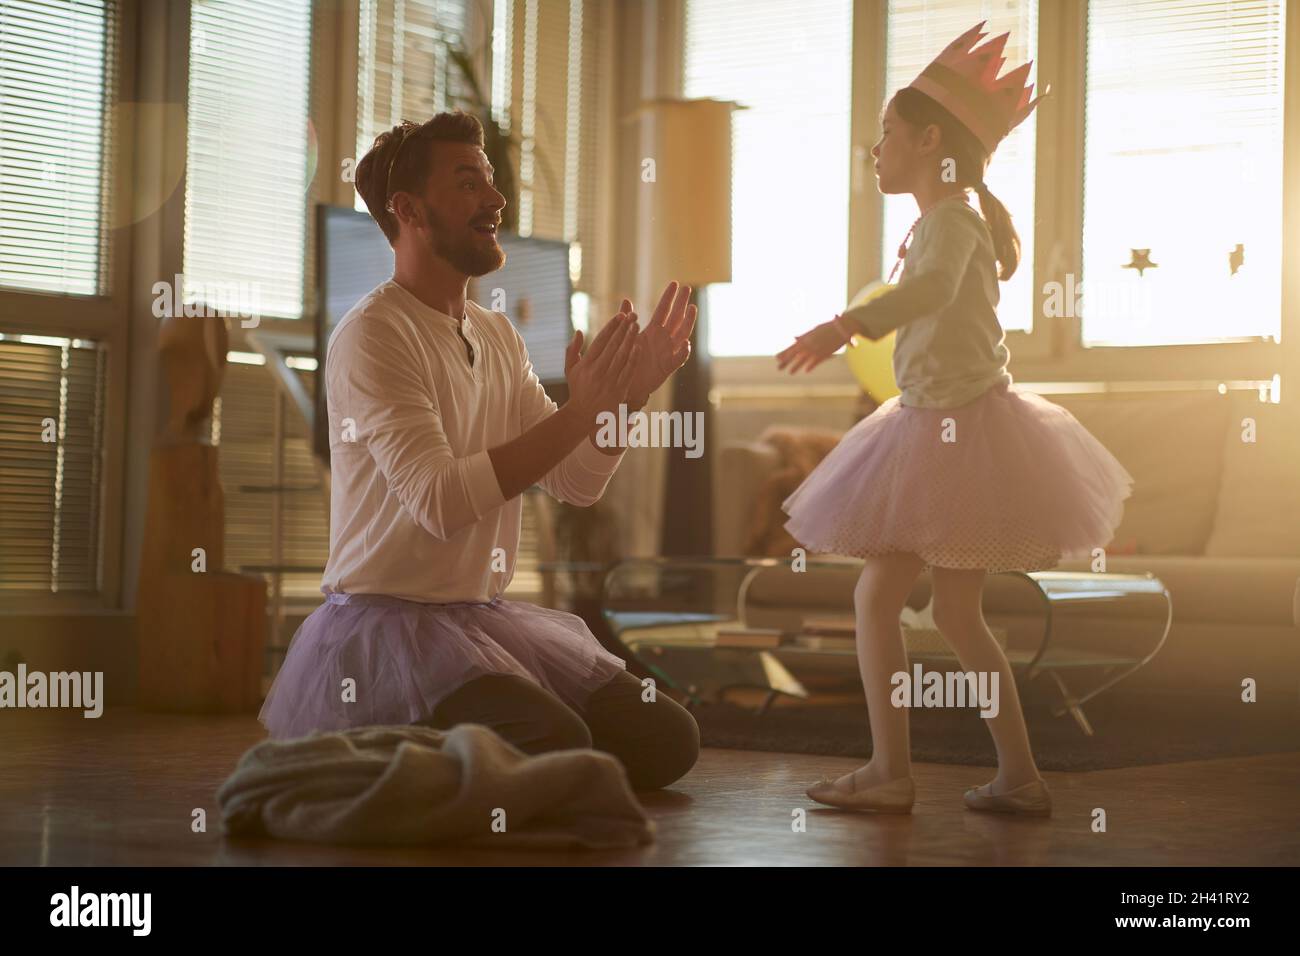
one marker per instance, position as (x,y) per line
(686,223)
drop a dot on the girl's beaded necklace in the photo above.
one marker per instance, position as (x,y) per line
(902,248)
(845,327)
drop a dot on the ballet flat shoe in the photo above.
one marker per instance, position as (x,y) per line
(1031,799)
(896,796)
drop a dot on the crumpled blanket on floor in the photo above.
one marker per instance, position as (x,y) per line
(416,785)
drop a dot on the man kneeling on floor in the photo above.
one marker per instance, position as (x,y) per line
(437,425)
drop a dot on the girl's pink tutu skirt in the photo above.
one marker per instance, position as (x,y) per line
(405,657)
(1018,485)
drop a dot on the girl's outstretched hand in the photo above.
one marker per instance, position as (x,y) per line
(812,348)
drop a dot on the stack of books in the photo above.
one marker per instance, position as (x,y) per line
(736,635)
(821,634)
(840,634)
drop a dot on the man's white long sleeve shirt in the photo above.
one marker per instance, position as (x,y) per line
(416,511)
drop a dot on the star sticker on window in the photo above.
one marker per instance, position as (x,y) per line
(1141,261)
(1236,257)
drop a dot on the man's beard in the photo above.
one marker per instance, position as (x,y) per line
(467,256)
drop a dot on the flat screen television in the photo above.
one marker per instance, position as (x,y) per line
(532,288)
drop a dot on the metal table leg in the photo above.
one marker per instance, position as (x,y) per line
(1071,705)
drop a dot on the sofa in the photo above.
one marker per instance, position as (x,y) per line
(1215,517)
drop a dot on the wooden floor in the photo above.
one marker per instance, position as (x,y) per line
(120,791)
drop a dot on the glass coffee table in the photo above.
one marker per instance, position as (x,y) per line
(668,612)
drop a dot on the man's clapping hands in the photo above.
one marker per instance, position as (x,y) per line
(625,363)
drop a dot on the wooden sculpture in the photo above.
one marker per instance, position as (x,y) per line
(201,629)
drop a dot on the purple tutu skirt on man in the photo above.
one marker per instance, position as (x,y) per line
(1006,482)
(406,656)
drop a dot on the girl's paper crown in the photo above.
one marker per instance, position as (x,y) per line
(965,82)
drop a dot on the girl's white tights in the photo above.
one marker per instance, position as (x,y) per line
(881,593)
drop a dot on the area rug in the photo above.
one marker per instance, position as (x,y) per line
(1127,731)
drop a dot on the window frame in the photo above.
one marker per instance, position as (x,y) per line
(1053,350)
(103,317)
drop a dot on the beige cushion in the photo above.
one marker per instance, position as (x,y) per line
(1259,500)
(1242,591)
(1172,444)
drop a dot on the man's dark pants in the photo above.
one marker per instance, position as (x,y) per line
(657,742)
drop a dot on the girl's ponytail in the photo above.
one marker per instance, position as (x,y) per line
(1006,241)
(971,159)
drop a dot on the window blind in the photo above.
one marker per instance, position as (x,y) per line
(917,31)
(50,388)
(1183,156)
(248,162)
(403,70)
(244,430)
(791,66)
(58,70)
(546,91)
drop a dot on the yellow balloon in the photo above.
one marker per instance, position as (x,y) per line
(872,363)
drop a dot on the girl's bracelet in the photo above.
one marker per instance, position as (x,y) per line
(845,327)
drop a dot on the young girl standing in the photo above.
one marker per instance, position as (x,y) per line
(962,473)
